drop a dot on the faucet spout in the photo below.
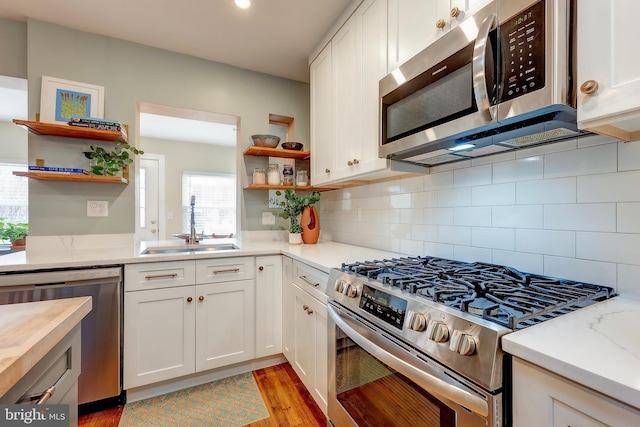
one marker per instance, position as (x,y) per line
(193,236)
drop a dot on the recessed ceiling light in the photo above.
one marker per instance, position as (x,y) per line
(243,4)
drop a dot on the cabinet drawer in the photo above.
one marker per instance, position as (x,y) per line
(158,275)
(310,279)
(224,269)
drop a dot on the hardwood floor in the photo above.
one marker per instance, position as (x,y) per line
(288,401)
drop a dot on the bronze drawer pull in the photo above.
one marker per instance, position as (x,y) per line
(161,276)
(229,270)
(304,278)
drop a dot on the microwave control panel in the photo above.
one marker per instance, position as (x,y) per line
(522,38)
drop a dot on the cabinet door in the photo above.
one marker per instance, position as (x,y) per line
(304,337)
(225,324)
(268,305)
(287,311)
(159,335)
(322,125)
(608,55)
(321,350)
(371,19)
(347,92)
(412,27)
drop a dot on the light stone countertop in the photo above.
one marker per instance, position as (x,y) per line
(597,346)
(30,330)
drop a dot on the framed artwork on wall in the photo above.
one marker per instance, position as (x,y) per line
(62,99)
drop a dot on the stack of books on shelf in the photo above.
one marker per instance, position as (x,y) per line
(57,170)
(100,124)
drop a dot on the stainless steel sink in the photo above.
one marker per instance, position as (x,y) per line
(191,249)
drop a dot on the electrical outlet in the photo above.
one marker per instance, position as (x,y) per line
(268,218)
(97,208)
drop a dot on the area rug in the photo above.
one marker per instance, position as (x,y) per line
(234,401)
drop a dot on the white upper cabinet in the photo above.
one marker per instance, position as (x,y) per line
(415,24)
(344,107)
(609,68)
(322,130)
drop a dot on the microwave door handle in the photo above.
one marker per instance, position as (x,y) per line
(408,366)
(479,68)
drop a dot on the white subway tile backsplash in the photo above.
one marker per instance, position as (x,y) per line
(524,262)
(569,209)
(522,169)
(628,156)
(529,216)
(399,201)
(591,160)
(454,197)
(441,250)
(494,238)
(473,216)
(438,181)
(610,187)
(438,216)
(610,247)
(628,220)
(560,243)
(471,254)
(584,217)
(599,273)
(560,190)
(488,195)
(478,175)
(628,280)
(454,235)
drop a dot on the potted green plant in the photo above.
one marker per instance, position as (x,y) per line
(291,207)
(14,233)
(110,163)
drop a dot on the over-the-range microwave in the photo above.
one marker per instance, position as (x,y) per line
(502,79)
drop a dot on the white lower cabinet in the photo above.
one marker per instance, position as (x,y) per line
(306,330)
(543,398)
(159,335)
(268,305)
(175,328)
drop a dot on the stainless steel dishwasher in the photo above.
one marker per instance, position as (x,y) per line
(101,377)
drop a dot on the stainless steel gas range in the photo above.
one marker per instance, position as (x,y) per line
(416,341)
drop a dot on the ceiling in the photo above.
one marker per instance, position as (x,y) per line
(272,36)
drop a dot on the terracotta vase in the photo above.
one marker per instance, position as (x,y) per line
(310,225)
(18,244)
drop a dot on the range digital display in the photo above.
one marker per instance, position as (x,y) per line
(384,306)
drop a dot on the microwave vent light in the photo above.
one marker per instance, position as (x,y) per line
(537,138)
(461,147)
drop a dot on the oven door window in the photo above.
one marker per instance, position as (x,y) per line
(375,395)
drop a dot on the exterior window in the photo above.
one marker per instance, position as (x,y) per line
(14,194)
(215,209)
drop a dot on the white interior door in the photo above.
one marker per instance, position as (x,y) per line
(151,182)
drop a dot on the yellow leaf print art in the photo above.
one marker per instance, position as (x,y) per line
(70,104)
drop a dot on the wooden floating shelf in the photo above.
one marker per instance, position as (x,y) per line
(54,129)
(282,187)
(53,176)
(276,152)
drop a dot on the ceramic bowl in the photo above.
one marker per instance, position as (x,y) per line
(292,146)
(270,141)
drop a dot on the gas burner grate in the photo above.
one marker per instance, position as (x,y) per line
(498,293)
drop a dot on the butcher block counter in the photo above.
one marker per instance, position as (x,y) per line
(30,331)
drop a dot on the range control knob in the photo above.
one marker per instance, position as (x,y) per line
(416,321)
(340,285)
(462,343)
(437,331)
(350,291)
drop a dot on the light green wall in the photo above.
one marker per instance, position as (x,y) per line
(131,72)
(13,48)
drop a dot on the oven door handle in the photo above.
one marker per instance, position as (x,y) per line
(409,368)
(480,68)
